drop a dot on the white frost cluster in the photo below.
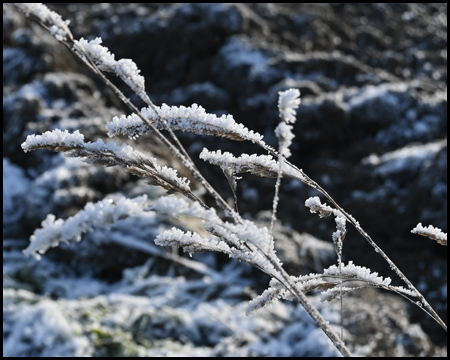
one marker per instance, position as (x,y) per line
(126,69)
(288,102)
(324,210)
(126,153)
(105,212)
(262,165)
(329,284)
(193,118)
(276,291)
(53,137)
(57,26)
(268,297)
(228,237)
(246,232)
(358,273)
(59,138)
(340,228)
(285,135)
(123,152)
(170,174)
(176,206)
(431,232)
(99,54)
(190,242)
(249,232)
(67,141)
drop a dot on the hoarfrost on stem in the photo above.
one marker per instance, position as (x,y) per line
(288,102)
(324,210)
(126,69)
(56,25)
(108,154)
(358,273)
(105,212)
(175,206)
(53,137)
(261,165)
(193,118)
(431,232)
(98,53)
(190,242)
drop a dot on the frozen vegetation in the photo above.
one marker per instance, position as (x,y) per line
(122,247)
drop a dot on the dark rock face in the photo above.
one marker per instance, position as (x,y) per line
(371,129)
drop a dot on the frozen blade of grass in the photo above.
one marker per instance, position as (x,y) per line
(193,118)
(55,138)
(52,20)
(102,213)
(268,297)
(190,242)
(260,165)
(126,69)
(97,53)
(288,102)
(431,232)
(176,206)
(351,271)
(111,154)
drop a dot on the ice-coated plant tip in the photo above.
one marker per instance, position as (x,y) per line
(431,232)
(226,230)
